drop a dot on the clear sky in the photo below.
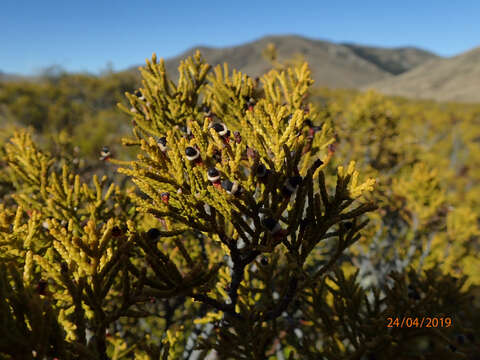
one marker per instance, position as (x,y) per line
(85,35)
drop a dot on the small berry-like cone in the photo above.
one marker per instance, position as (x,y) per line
(42,288)
(153,234)
(331,149)
(165,198)
(116,231)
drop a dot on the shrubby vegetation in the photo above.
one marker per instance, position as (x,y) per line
(334,214)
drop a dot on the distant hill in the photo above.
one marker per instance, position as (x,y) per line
(10,77)
(333,65)
(396,60)
(452,79)
(404,71)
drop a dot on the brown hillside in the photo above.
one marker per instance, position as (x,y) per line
(452,79)
(333,65)
(393,60)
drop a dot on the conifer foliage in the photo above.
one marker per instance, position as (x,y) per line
(229,244)
(248,181)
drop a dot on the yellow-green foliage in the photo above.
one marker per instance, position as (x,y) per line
(91,269)
(423,158)
(63,100)
(81,105)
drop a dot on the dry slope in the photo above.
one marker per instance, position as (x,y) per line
(452,79)
(333,65)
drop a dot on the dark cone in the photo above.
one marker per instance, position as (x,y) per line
(261,171)
(162,143)
(227,185)
(116,231)
(192,153)
(41,287)
(231,187)
(105,153)
(153,233)
(213,174)
(220,128)
(139,95)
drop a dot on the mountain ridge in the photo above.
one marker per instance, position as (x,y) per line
(333,65)
(405,70)
(448,79)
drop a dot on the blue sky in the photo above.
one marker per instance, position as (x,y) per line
(86,35)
